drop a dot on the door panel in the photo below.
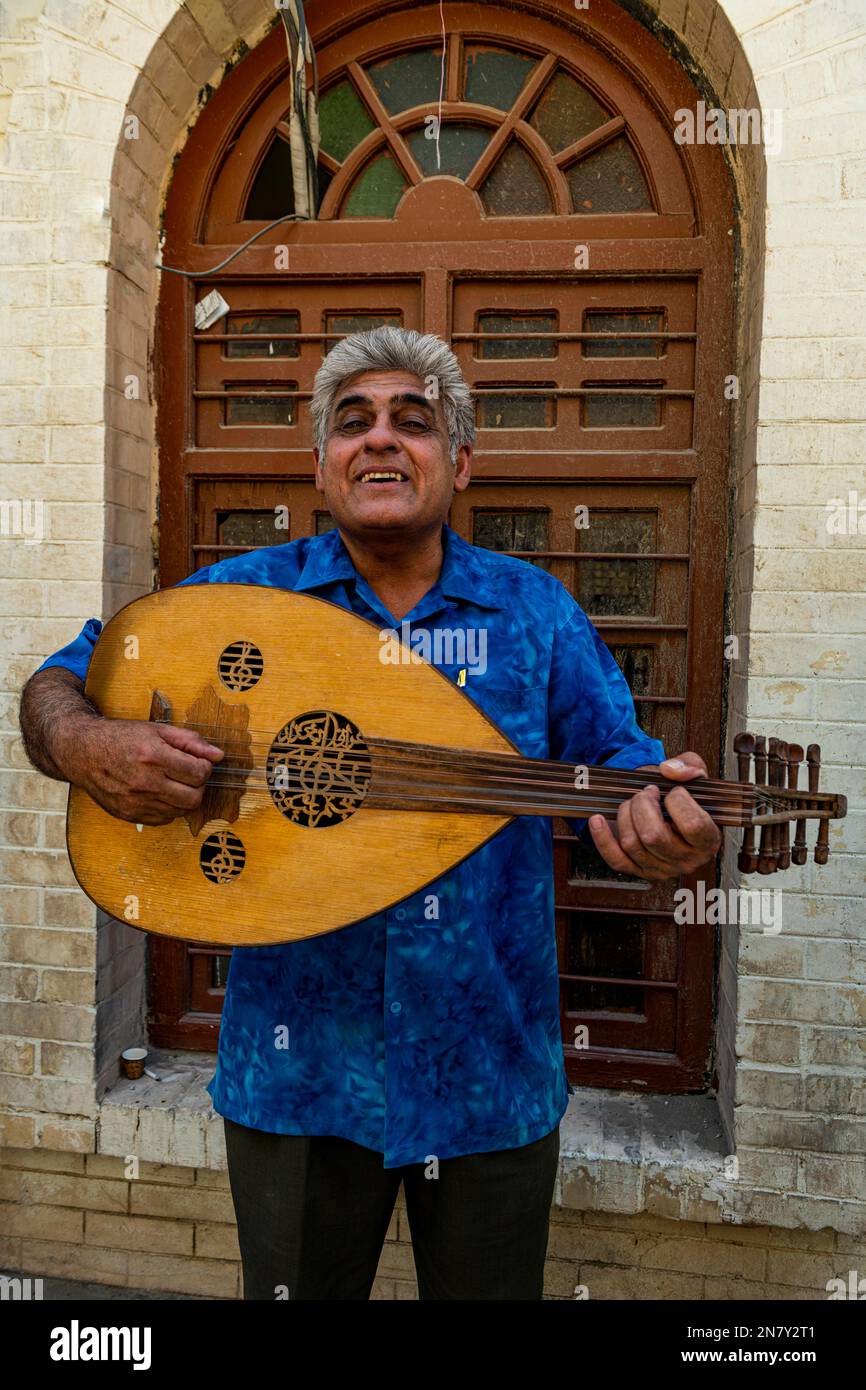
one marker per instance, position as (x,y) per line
(254,368)
(611,365)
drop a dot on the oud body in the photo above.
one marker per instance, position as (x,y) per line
(163,656)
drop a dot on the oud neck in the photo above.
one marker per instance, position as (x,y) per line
(417,777)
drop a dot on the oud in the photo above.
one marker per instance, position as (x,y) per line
(347,783)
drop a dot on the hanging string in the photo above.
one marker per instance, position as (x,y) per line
(441,84)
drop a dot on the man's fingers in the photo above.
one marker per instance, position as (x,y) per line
(177,766)
(685,767)
(642,833)
(693,824)
(609,848)
(188,741)
(656,839)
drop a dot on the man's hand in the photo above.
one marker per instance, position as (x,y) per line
(648,846)
(146,773)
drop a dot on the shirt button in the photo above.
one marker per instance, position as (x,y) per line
(396,1007)
(400,914)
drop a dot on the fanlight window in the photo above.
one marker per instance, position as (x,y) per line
(524,152)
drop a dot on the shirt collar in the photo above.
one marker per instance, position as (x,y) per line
(466,571)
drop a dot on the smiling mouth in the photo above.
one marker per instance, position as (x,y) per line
(379,475)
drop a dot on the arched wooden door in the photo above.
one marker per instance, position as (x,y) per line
(580,262)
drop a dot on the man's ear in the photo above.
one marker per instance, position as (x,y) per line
(319,480)
(463,468)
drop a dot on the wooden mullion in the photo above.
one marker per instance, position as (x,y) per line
(488,157)
(588,143)
(393,138)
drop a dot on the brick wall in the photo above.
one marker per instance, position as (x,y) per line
(172,1229)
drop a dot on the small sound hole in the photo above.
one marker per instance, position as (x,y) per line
(222,856)
(318,769)
(240,666)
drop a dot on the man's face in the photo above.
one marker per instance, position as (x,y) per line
(382,424)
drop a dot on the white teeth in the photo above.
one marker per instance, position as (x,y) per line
(385,477)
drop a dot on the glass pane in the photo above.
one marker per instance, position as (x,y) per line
(263,347)
(600,945)
(322,522)
(599,321)
(617,588)
(219,971)
(514,410)
(410,79)
(587,866)
(259,409)
(510,530)
(566,112)
(621,412)
(495,76)
(272,193)
(609,180)
(251,528)
(636,663)
(357,323)
(343,120)
(516,347)
(515,187)
(459,148)
(377,190)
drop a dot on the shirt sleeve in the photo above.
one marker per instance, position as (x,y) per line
(591,712)
(75,656)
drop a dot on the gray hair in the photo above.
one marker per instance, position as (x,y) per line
(392,349)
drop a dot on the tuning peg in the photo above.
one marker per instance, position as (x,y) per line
(799,853)
(766,860)
(784,830)
(744,747)
(822,845)
(775,774)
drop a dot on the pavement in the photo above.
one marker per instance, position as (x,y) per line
(72,1290)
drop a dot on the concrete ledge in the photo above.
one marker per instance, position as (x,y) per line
(620,1151)
(167,1117)
(668,1156)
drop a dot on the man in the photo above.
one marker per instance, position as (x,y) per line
(424,1042)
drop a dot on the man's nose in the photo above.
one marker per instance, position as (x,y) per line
(381,434)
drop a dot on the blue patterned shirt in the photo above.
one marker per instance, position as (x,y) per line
(431,1029)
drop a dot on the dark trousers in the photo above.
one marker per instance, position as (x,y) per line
(312,1215)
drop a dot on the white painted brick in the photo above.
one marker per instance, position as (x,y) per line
(782,358)
(842,313)
(810,486)
(847,74)
(813,135)
(821,655)
(854,178)
(849,271)
(792,224)
(848,358)
(801,441)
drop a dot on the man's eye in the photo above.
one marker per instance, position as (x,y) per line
(415,424)
(353,423)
